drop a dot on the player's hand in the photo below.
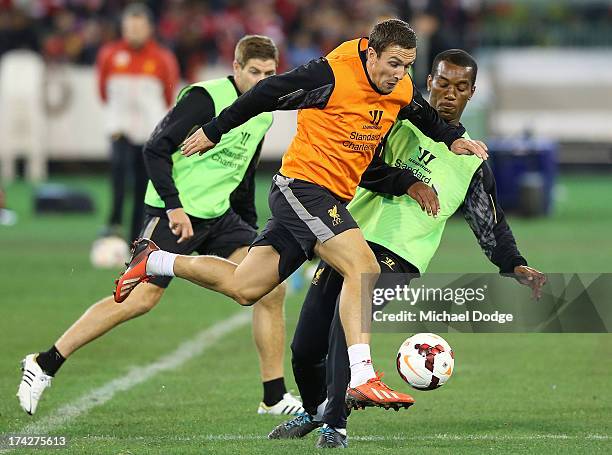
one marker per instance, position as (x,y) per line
(426,197)
(196,143)
(180,224)
(463,146)
(531,277)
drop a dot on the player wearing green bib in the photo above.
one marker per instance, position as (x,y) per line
(381,217)
(404,239)
(203,204)
(205,184)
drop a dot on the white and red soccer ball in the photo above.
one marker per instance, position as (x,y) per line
(425,361)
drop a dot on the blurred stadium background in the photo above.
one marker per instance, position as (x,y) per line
(543,104)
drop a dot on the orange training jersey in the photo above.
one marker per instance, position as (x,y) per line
(333,146)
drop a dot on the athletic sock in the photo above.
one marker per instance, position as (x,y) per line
(161,263)
(50,361)
(361,364)
(342,431)
(274,391)
(320,411)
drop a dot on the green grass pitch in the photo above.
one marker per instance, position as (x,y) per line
(513,393)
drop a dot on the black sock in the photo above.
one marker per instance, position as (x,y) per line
(50,361)
(274,391)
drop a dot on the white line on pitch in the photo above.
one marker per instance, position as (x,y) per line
(137,375)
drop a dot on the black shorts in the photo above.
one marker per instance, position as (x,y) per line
(302,214)
(391,262)
(327,283)
(219,236)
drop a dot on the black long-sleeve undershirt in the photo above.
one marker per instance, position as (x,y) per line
(190,111)
(488,222)
(381,177)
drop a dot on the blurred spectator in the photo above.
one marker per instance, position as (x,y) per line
(137,82)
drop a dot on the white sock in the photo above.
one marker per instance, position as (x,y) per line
(342,431)
(161,263)
(361,364)
(320,411)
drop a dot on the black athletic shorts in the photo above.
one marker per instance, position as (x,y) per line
(219,236)
(302,214)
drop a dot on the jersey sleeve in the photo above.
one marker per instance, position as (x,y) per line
(187,115)
(488,222)
(380,177)
(307,86)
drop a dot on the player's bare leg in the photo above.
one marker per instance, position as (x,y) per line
(258,274)
(255,277)
(107,314)
(246,283)
(349,254)
(39,369)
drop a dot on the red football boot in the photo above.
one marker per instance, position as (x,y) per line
(136,271)
(377,393)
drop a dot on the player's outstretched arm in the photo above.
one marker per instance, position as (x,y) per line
(488,222)
(304,87)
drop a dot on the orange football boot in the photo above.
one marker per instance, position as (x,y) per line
(377,393)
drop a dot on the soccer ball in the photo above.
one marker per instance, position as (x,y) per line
(425,361)
(109,252)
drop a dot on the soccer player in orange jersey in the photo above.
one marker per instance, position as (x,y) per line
(348,101)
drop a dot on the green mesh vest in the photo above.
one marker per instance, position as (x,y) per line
(205,182)
(397,222)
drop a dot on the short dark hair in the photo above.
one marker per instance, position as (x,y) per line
(255,46)
(391,32)
(457,57)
